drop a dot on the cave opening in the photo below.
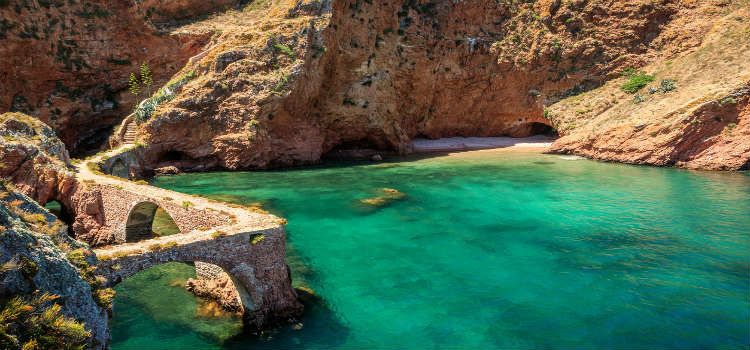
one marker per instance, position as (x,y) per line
(172,156)
(542,129)
(363,148)
(532,129)
(360,144)
(93,143)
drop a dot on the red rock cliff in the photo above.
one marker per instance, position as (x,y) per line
(308,77)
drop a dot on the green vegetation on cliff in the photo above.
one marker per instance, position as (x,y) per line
(45,303)
(36,322)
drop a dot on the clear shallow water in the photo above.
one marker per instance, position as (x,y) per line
(487,250)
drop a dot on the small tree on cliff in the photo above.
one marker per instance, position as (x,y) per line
(146,79)
(135,86)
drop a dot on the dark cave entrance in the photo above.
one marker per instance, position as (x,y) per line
(92,143)
(356,144)
(542,129)
(532,129)
(173,157)
(364,148)
(62,213)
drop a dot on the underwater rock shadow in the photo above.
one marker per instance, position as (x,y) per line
(319,328)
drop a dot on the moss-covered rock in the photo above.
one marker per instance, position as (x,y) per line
(35,273)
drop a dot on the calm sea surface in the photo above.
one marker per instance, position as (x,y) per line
(484,250)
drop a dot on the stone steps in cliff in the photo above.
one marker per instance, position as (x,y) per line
(130,133)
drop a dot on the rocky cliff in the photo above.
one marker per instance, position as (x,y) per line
(37,163)
(291,81)
(694,113)
(37,256)
(68,62)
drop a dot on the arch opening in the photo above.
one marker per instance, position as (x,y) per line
(225,292)
(63,214)
(147,220)
(161,292)
(119,169)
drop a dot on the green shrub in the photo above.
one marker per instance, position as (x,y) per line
(256,239)
(284,49)
(636,80)
(187,204)
(147,107)
(28,268)
(101,295)
(728,100)
(667,85)
(38,323)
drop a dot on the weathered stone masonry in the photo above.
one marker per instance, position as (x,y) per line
(256,265)
(125,211)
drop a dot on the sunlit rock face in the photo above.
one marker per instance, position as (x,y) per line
(68,62)
(298,81)
(34,250)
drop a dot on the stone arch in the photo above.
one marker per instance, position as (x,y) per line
(245,299)
(119,169)
(63,213)
(140,222)
(259,268)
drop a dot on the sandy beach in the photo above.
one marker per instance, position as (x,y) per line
(452,144)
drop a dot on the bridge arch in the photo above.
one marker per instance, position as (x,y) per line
(255,261)
(140,221)
(119,169)
(244,298)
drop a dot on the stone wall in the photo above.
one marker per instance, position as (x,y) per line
(207,271)
(126,165)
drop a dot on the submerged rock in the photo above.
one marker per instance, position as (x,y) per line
(386,196)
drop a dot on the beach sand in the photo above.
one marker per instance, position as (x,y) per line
(454,144)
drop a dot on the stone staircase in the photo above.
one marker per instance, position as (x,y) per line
(130,131)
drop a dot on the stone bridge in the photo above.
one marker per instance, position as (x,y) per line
(129,214)
(246,243)
(255,261)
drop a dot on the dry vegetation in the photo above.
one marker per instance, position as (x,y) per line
(704,75)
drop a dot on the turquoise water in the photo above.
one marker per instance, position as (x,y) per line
(485,250)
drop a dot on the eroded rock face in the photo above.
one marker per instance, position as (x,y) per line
(37,163)
(30,234)
(68,62)
(695,114)
(298,84)
(33,158)
(716,136)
